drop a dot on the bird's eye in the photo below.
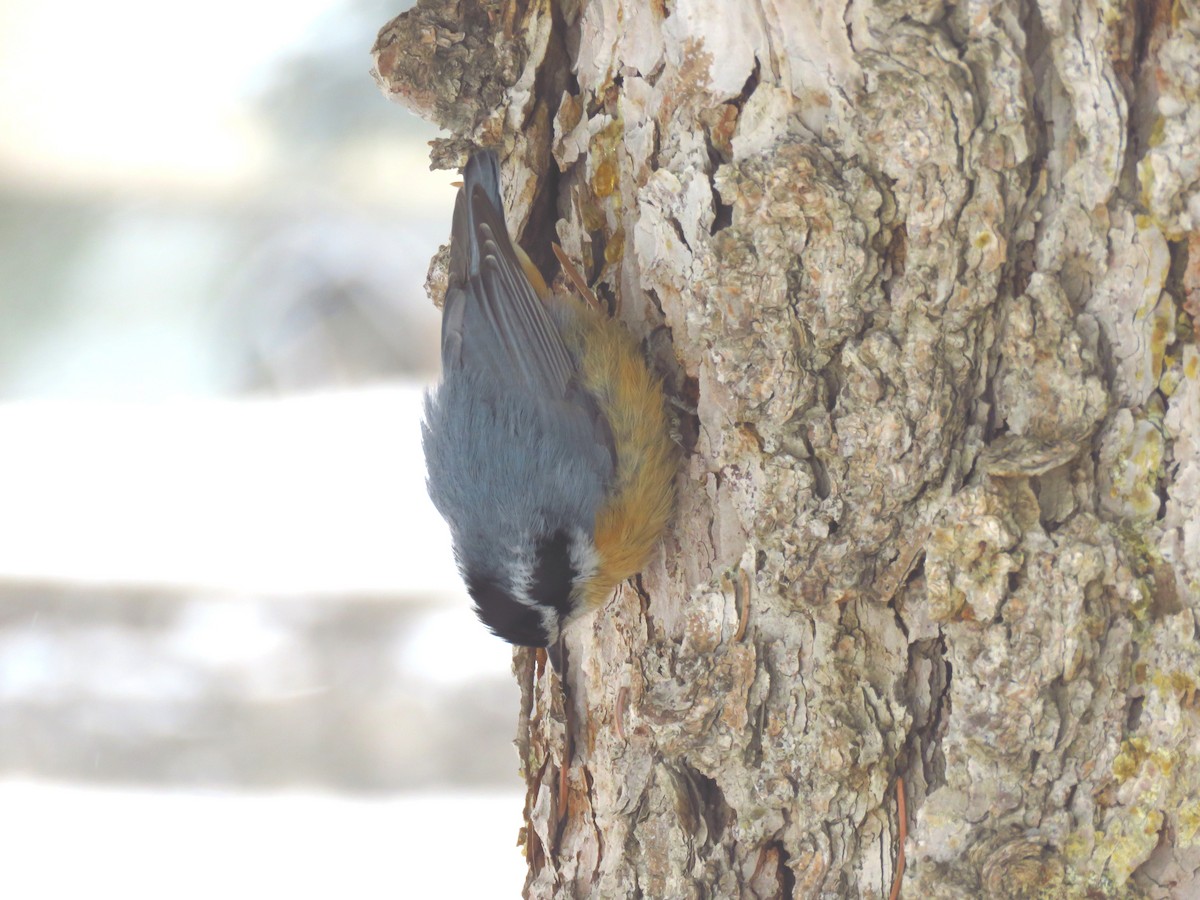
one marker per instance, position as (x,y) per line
(508,618)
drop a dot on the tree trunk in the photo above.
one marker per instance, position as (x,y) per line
(923,277)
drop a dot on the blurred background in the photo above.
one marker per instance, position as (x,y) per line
(235,658)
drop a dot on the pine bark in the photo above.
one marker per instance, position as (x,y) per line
(923,280)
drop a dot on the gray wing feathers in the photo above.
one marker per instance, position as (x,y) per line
(496,317)
(453,310)
(520,317)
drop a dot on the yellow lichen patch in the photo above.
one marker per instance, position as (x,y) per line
(1129,761)
(1128,841)
(1157,132)
(1152,822)
(1179,685)
(1172,375)
(989,250)
(1162,334)
(1188,824)
(1078,845)
(1152,791)
(1131,457)
(1145,170)
(970,555)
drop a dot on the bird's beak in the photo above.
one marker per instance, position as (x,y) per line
(557,654)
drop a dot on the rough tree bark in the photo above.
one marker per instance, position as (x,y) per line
(925,277)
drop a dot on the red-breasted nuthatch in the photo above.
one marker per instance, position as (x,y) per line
(546,441)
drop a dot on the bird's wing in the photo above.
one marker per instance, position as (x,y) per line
(492,313)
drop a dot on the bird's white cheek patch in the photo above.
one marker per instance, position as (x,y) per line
(520,572)
(585,559)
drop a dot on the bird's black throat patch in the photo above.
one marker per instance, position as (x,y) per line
(553,574)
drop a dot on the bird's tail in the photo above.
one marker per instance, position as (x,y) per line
(478,199)
(479,202)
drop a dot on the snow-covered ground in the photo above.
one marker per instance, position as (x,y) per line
(61,841)
(320,492)
(221,590)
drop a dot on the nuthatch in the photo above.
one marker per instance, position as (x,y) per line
(546,441)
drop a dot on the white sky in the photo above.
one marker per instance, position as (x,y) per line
(138,95)
(138,86)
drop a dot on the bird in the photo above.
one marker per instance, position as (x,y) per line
(547,441)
